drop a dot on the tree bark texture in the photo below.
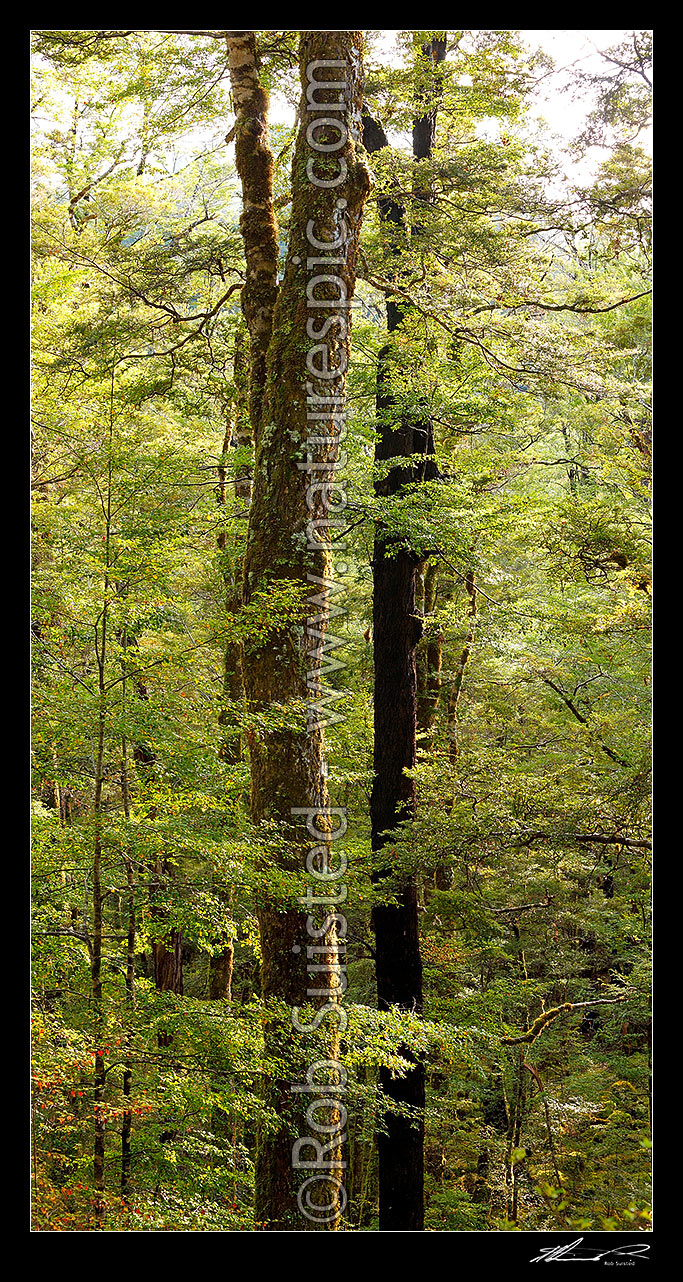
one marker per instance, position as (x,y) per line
(407,441)
(255,164)
(287,762)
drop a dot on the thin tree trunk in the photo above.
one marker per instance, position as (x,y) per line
(514,1136)
(127,1119)
(96,964)
(456,687)
(167,950)
(238,420)
(428,659)
(221,964)
(99,1079)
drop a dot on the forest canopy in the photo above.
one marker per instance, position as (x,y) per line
(341,606)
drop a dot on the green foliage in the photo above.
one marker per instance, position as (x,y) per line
(527,346)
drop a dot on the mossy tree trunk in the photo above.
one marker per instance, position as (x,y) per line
(287,763)
(255,165)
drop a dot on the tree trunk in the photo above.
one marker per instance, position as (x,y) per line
(239,424)
(220,975)
(255,164)
(232,549)
(429,659)
(456,687)
(127,1118)
(100,1073)
(287,764)
(396,632)
(167,950)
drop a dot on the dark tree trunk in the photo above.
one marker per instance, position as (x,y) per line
(408,439)
(168,963)
(127,1118)
(167,951)
(396,631)
(168,954)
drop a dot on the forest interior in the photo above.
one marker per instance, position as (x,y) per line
(341,631)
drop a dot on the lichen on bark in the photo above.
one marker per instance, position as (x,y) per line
(287,763)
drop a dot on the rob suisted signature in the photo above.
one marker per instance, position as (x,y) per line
(575,1251)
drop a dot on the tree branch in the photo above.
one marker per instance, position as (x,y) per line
(539,1024)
